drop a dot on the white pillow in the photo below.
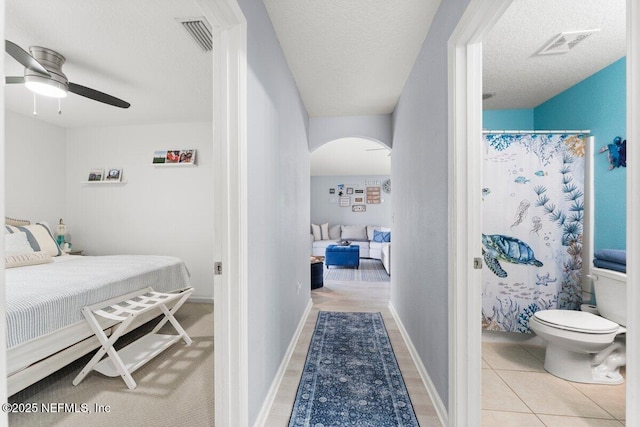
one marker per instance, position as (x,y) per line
(16,243)
(354,232)
(324,228)
(317,234)
(370,230)
(334,232)
(27,258)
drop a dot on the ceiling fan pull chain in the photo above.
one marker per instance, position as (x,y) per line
(35,113)
(59,106)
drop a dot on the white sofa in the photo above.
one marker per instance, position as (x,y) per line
(361,235)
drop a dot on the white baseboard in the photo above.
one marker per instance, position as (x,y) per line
(511,338)
(202,300)
(261,419)
(441,410)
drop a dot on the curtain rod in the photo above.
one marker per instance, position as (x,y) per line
(536,131)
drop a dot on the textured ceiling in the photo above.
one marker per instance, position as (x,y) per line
(351,156)
(134,50)
(520,78)
(350,57)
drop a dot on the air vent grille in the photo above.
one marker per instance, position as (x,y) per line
(564,42)
(200,30)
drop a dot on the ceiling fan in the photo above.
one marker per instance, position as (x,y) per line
(43,75)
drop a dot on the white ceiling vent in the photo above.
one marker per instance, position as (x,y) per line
(200,30)
(564,42)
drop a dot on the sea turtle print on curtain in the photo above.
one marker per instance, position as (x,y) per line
(533,209)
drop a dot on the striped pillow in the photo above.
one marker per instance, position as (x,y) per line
(16,243)
(27,258)
(16,222)
(39,238)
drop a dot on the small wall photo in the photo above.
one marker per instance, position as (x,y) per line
(113,174)
(96,175)
(185,157)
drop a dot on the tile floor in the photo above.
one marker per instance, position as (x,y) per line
(516,390)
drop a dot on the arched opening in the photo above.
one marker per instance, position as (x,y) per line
(351,202)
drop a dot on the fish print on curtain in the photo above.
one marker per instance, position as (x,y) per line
(533,210)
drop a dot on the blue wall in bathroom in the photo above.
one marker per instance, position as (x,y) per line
(597,103)
(521,119)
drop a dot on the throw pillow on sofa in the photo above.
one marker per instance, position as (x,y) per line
(382,236)
(324,229)
(317,234)
(320,232)
(354,232)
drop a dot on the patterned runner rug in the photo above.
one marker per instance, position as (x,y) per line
(351,376)
(370,270)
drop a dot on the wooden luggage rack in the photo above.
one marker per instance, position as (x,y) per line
(125,309)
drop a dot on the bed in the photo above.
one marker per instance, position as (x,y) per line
(44,297)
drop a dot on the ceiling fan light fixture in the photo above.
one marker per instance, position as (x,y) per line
(45,87)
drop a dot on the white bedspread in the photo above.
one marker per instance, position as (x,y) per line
(41,299)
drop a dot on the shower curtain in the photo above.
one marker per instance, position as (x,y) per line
(533,209)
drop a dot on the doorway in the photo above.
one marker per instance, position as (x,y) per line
(465,74)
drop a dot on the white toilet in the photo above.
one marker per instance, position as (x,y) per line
(586,347)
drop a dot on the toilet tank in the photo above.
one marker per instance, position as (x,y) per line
(610,288)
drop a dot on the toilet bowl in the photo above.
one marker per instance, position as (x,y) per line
(581,346)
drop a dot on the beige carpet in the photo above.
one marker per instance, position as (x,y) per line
(174,389)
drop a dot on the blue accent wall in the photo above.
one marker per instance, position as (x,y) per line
(520,119)
(597,103)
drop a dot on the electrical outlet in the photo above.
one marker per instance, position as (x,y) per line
(298,287)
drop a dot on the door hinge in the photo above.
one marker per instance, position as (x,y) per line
(217,268)
(477,263)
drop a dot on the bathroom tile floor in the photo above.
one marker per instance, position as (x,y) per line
(516,390)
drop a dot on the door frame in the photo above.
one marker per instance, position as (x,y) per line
(230,210)
(465,171)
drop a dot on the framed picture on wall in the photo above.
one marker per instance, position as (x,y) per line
(113,174)
(358,208)
(96,175)
(175,157)
(358,200)
(332,191)
(349,190)
(359,191)
(345,201)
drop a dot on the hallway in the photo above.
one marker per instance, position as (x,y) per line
(353,296)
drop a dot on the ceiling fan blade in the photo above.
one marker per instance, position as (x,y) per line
(97,95)
(23,57)
(14,80)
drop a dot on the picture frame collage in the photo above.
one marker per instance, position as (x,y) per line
(350,195)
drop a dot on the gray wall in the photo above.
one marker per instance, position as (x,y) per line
(323,211)
(420,230)
(278,204)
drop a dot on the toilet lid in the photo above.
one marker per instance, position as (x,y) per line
(579,321)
